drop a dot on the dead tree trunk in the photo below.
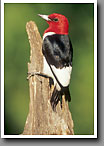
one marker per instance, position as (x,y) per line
(41,119)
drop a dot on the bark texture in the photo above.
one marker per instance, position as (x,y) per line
(41,119)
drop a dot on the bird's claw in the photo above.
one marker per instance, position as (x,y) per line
(30,74)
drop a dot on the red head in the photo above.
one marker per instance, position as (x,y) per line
(57,23)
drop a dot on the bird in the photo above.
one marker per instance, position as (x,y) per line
(57,55)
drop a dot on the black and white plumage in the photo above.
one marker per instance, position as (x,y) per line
(58,53)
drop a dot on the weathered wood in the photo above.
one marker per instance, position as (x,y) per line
(41,119)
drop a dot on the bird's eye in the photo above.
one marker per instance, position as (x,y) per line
(55,19)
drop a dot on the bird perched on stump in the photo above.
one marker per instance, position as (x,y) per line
(58,54)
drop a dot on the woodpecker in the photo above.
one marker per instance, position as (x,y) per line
(58,54)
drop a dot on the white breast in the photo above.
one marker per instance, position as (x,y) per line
(46,68)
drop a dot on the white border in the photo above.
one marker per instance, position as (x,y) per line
(95,70)
(47,1)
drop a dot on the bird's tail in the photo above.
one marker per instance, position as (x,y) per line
(57,95)
(66,92)
(55,98)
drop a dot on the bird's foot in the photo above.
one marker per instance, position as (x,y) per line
(30,74)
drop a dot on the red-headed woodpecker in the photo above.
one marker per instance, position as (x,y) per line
(58,53)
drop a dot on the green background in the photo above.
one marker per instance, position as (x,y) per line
(17,50)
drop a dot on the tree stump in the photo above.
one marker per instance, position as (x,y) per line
(41,119)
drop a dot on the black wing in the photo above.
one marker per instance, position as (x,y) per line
(58,50)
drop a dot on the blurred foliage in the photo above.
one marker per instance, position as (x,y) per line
(17,50)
